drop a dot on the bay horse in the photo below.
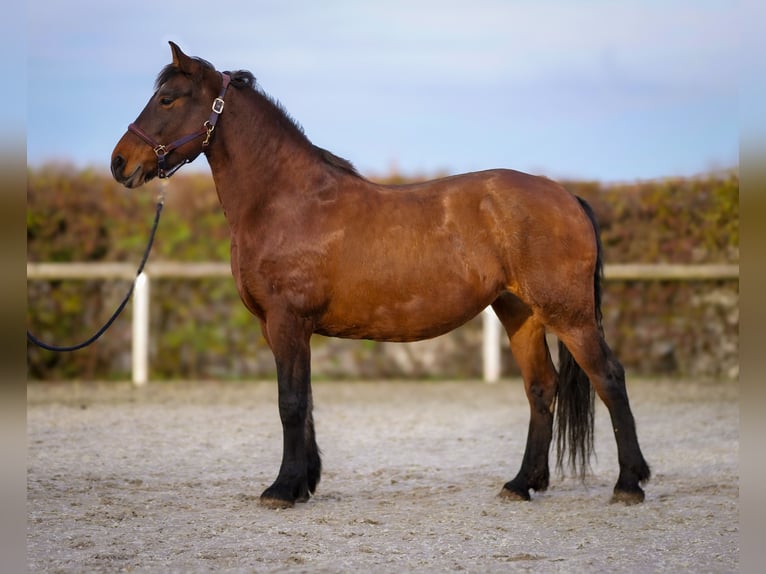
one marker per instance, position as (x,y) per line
(317,248)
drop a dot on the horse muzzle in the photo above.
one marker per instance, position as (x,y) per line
(135,178)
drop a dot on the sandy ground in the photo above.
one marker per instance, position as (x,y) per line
(166,479)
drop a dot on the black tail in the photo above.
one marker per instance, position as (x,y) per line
(575,396)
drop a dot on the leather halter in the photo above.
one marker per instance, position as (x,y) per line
(162,151)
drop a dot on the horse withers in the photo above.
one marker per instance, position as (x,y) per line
(317,248)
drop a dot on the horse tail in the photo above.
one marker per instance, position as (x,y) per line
(575,395)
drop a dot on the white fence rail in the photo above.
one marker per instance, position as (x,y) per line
(492,328)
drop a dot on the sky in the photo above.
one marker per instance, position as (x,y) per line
(588,89)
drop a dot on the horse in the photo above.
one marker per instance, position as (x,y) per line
(318,248)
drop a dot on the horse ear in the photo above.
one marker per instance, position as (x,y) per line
(182,61)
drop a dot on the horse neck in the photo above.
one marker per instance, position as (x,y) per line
(256,153)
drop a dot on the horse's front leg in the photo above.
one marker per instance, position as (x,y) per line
(301,464)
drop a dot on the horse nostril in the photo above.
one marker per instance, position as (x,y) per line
(118,162)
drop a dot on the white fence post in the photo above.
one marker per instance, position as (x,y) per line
(140,350)
(491,345)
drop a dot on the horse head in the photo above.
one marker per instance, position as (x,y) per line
(176,124)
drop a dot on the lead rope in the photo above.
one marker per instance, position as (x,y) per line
(103,329)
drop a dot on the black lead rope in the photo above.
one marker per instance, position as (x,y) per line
(103,329)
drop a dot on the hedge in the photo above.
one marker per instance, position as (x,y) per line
(201,330)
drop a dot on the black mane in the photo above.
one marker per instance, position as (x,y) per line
(339,162)
(245,79)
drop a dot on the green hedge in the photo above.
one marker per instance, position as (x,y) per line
(201,330)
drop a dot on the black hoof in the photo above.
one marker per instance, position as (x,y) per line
(627,497)
(275,503)
(279,497)
(510,492)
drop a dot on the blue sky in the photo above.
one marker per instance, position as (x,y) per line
(607,90)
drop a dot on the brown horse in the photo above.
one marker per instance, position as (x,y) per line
(317,248)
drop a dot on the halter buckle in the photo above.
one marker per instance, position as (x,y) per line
(218,105)
(208,132)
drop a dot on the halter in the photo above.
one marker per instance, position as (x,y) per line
(162,151)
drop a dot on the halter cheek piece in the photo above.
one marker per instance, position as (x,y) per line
(162,151)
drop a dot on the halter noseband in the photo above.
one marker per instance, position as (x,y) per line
(162,151)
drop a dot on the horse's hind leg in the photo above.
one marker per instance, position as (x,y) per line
(527,338)
(607,376)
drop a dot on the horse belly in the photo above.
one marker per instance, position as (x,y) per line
(401,316)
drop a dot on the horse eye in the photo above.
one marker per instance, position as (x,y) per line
(166,100)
